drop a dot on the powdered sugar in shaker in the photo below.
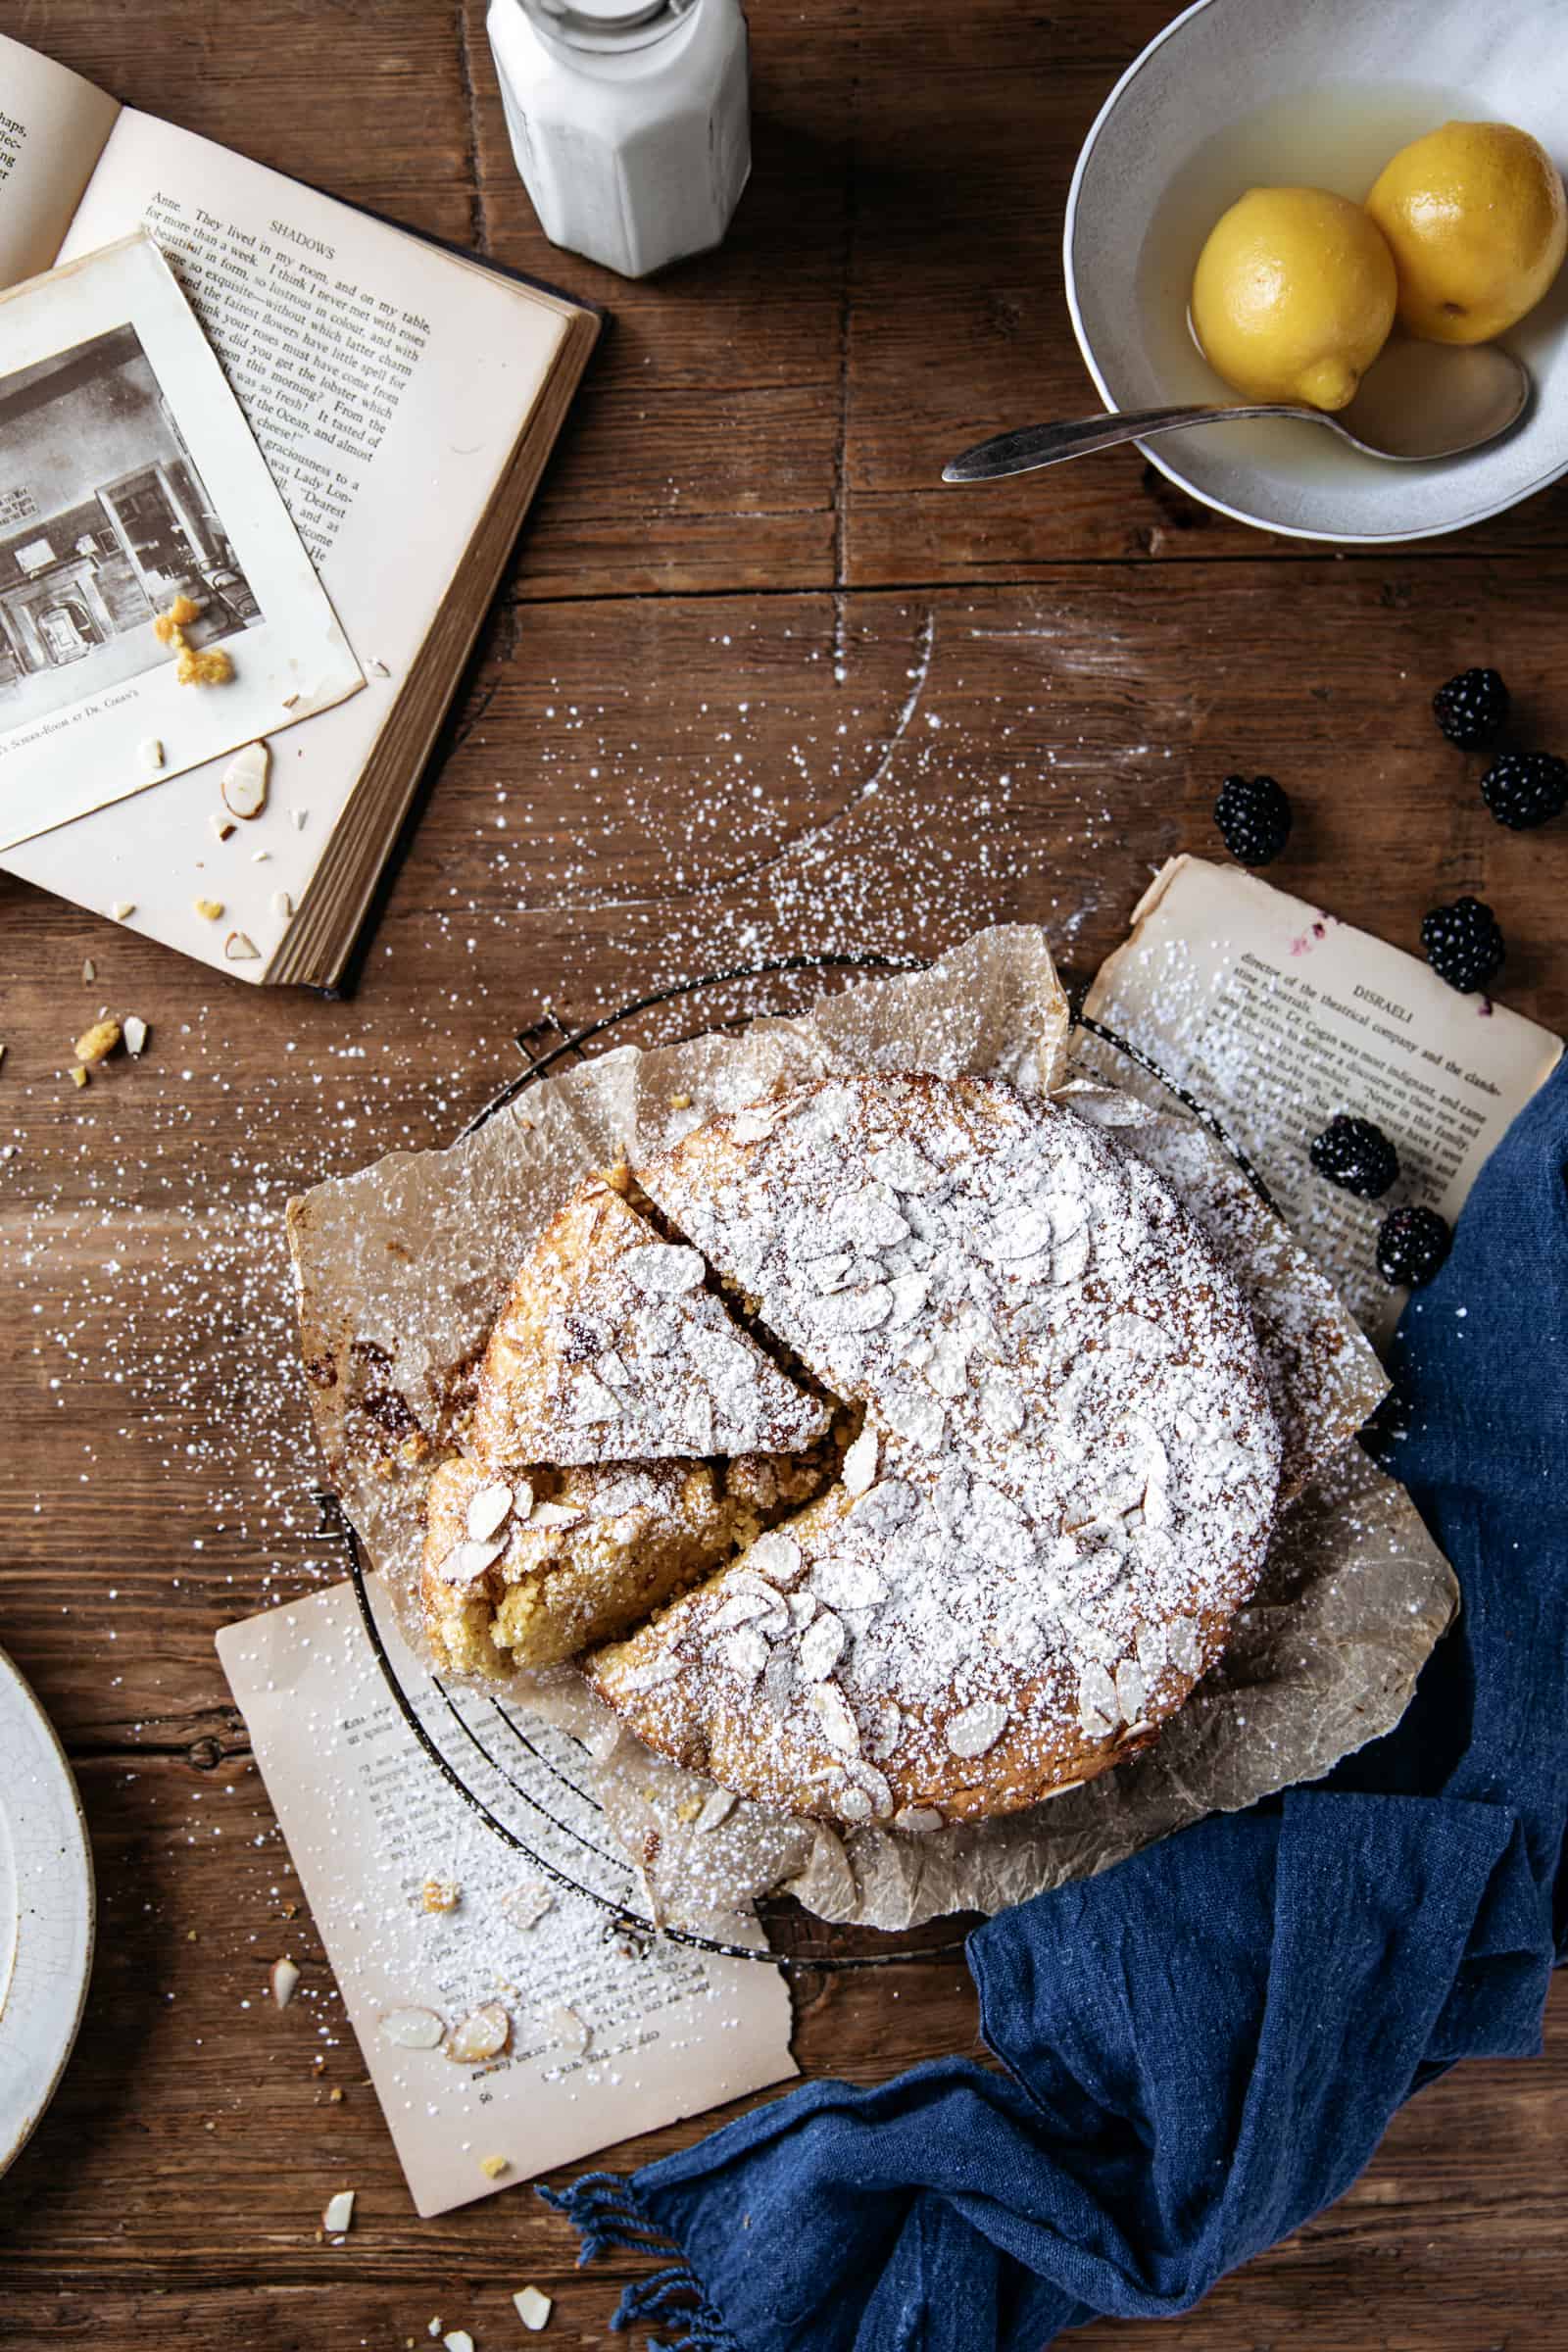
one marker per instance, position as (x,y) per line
(631,121)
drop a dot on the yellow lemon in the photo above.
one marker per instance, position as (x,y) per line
(1475,217)
(1294,295)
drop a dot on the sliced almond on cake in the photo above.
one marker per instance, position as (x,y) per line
(612,1349)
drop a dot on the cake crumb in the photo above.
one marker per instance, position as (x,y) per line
(97,1042)
(212,667)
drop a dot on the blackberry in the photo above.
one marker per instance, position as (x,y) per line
(1523,789)
(1355,1155)
(1412,1243)
(1463,943)
(1254,818)
(1471,709)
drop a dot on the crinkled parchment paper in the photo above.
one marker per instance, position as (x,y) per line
(401,1268)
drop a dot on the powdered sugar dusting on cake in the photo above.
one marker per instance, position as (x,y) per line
(611,1348)
(1074,1462)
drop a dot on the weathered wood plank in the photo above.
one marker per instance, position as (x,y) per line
(368,104)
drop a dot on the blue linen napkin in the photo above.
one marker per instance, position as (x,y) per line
(1204,2044)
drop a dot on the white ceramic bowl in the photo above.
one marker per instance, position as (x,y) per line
(1239,94)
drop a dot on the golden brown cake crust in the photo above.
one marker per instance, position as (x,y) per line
(1064,1488)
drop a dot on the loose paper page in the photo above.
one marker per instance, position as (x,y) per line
(671,2030)
(1276,1016)
(135,483)
(53,126)
(387,385)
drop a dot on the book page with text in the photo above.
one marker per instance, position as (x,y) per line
(53,127)
(1275,1017)
(607,2033)
(387,384)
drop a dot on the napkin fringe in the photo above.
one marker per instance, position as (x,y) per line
(605,2211)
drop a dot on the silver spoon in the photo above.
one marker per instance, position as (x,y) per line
(1421,401)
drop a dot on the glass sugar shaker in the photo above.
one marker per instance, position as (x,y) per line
(630,121)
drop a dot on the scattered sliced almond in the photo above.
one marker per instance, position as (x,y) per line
(90,970)
(918,1819)
(339,2212)
(379,668)
(133,1029)
(412,2028)
(122,909)
(573,2033)
(221,825)
(484,2033)
(458,2339)
(97,1042)
(150,751)
(526,1905)
(285,1976)
(244,785)
(260,857)
(239,948)
(290,701)
(533,2308)
(78,1076)
(210,911)
(299,817)
(283,904)
(487,1510)
(521,1492)
(440,1894)
(493,2166)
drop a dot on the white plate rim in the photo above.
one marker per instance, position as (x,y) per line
(56,2022)
(1219,505)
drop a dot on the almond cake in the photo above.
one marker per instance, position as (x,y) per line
(1062,1487)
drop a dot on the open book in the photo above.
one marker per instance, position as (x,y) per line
(406,399)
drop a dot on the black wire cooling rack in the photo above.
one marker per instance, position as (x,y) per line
(530,1782)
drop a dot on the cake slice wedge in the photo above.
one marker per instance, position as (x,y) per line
(612,1349)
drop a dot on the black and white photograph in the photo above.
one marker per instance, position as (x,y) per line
(104,523)
(158,607)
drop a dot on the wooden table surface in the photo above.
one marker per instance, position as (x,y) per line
(757,686)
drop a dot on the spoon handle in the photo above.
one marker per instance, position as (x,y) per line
(1035,445)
